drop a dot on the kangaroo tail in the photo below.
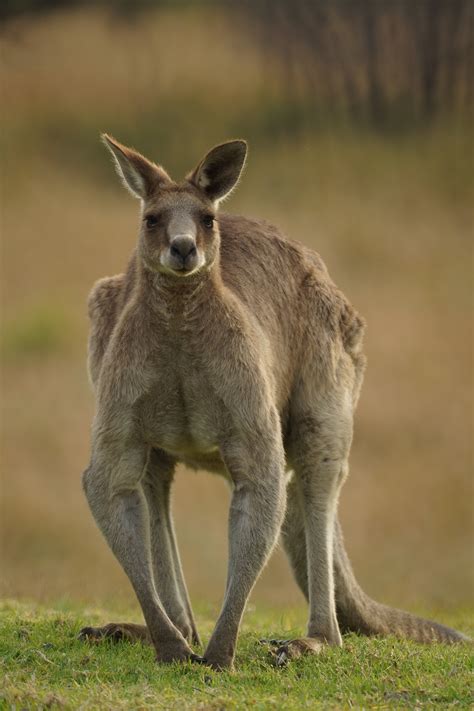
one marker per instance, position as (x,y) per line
(357,612)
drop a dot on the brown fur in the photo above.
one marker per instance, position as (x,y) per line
(226,346)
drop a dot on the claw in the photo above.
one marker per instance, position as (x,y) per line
(111,631)
(295,648)
(281,658)
(196,659)
(87,633)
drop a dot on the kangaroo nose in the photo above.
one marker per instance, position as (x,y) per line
(183,247)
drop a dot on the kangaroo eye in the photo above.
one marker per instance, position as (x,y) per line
(208,221)
(151,221)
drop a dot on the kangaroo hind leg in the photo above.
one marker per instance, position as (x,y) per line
(167,572)
(113,488)
(318,453)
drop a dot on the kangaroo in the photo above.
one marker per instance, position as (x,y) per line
(227,347)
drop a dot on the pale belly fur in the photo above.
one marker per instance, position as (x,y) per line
(183,419)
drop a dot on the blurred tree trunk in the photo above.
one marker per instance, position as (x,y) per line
(451,45)
(469,54)
(430,57)
(425,17)
(370,11)
(371,57)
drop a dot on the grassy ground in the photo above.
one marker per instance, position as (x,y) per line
(44,666)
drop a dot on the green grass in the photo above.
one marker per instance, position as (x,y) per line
(43,665)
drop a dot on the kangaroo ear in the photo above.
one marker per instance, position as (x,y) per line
(219,172)
(139,175)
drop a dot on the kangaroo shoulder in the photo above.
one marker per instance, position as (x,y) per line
(105,297)
(110,294)
(104,306)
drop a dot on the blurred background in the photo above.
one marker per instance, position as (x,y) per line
(358,116)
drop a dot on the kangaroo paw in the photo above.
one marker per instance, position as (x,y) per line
(117,632)
(295,648)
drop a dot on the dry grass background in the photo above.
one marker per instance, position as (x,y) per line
(391,216)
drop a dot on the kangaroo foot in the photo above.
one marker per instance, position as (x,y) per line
(224,663)
(220,656)
(117,632)
(295,648)
(176,652)
(127,631)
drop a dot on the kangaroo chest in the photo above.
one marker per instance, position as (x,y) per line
(180,413)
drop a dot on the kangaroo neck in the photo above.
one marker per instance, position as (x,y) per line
(179,297)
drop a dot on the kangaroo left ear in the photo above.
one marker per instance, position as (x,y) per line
(219,171)
(139,175)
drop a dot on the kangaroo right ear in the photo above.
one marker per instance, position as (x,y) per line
(219,172)
(139,175)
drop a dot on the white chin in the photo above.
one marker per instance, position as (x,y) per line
(180,272)
(183,273)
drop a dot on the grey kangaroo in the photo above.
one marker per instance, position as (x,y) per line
(227,347)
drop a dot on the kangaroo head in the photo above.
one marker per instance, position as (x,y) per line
(179,232)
